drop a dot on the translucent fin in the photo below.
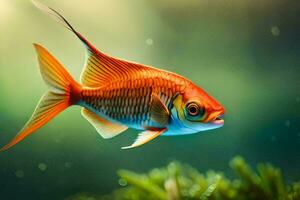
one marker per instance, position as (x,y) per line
(145,137)
(52,13)
(99,67)
(53,73)
(158,111)
(104,127)
(54,101)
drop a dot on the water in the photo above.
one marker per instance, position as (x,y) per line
(244,53)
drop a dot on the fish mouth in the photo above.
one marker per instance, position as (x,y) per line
(218,120)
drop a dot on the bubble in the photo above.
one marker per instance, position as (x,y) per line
(19,173)
(273,138)
(287,123)
(149,41)
(42,166)
(122,182)
(57,140)
(68,165)
(275,30)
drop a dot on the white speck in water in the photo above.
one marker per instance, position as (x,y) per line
(275,30)
(287,123)
(273,138)
(149,41)
(19,173)
(57,140)
(68,165)
(42,166)
(122,182)
(298,134)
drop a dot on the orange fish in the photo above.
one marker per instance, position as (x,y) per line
(116,94)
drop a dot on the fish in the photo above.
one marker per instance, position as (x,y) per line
(116,94)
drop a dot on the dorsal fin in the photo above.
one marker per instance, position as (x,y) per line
(99,67)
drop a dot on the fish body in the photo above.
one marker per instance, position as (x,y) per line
(116,95)
(128,100)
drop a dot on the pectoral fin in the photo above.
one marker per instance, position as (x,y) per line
(145,137)
(104,127)
(158,111)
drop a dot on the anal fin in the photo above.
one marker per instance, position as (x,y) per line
(145,137)
(104,127)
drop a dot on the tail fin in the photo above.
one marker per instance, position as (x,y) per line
(64,92)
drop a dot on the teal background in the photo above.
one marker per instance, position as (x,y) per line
(244,53)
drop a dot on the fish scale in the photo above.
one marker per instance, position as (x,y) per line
(129,101)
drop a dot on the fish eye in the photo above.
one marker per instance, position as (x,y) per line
(193,109)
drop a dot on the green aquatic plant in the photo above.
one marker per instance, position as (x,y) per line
(181,182)
(84,196)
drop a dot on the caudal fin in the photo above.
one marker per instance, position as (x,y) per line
(63,92)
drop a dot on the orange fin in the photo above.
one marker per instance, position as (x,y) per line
(145,137)
(104,127)
(54,101)
(49,106)
(99,68)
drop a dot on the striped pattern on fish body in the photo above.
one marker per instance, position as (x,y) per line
(129,101)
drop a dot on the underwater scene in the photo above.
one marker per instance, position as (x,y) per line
(216,116)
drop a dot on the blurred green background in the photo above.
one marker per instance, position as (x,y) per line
(244,53)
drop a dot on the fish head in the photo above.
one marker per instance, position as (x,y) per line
(194,110)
